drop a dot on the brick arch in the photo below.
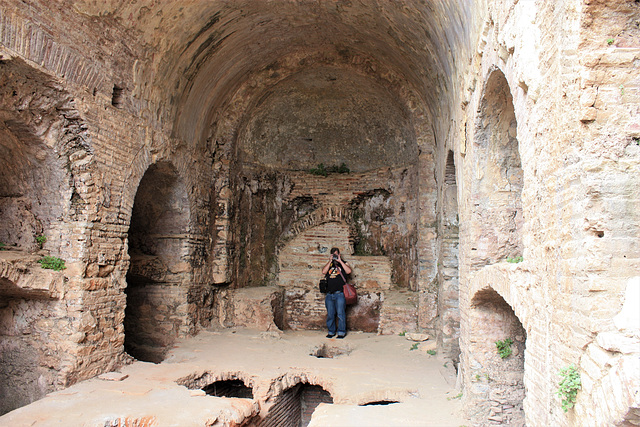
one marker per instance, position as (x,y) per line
(496,316)
(494,278)
(321,215)
(499,289)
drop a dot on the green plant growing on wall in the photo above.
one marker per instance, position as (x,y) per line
(323,170)
(414,346)
(457,396)
(568,386)
(403,333)
(52,263)
(2,245)
(41,240)
(339,169)
(431,352)
(610,41)
(515,260)
(504,348)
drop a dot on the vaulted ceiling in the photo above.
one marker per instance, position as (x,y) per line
(202,52)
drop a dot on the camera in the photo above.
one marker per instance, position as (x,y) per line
(335,257)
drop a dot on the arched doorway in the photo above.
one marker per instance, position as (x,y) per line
(497,375)
(160,272)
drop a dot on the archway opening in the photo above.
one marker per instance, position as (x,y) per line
(160,272)
(498,212)
(497,353)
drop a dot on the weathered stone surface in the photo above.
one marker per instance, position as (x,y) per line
(412,336)
(113,376)
(254,307)
(618,343)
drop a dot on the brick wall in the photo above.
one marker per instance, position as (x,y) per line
(286,411)
(294,406)
(301,263)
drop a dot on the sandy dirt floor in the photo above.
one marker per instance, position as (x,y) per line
(365,368)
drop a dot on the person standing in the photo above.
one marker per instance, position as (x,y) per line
(335,271)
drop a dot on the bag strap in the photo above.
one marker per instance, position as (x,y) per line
(340,270)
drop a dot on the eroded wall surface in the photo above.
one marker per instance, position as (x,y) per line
(571,72)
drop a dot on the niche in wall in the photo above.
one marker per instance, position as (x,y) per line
(27,372)
(499,382)
(497,206)
(159,275)
(32,194)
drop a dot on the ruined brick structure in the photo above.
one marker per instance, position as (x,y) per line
(164,150)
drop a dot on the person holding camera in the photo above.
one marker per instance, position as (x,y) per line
(335,271)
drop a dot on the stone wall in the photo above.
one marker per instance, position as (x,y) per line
(569,236)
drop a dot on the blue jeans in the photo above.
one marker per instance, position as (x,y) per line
(336,305)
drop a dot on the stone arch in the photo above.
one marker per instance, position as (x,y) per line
(225,128)
(497,384)
(498,214)
(160,271)
(232,114)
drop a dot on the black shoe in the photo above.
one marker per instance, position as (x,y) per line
(331,335)
(341,336)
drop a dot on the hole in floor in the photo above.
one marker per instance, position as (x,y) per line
(329,351)
(295,406)
(229,388)
(381,402)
